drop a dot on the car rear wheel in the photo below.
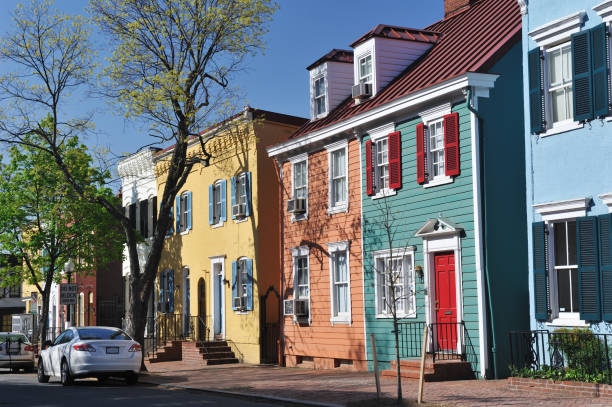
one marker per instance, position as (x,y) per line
(66,376)
(131,378)
(42,377)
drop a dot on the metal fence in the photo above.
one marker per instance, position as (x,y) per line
(446,341)
(164,328)
(584,354)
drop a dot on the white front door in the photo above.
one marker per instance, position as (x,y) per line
(218,299)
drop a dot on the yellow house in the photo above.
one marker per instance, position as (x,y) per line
(219,273)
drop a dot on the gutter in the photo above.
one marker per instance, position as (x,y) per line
(483,229)
(281,347)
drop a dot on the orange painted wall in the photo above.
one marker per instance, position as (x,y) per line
(322,341)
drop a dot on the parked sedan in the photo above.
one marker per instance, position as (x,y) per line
(91,351)
(16,351)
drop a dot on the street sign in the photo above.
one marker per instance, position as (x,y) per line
(68,294)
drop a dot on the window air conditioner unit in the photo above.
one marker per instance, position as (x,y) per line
(300,308)
(362,90)
(296,206)
(288,307)
(239,303)
(290,205)
(239,211)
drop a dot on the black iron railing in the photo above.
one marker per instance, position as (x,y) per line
(164,328)
(578,354)
(446,341)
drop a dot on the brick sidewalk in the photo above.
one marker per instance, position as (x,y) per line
(341,386)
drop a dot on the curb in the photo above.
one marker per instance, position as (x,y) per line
(243,395)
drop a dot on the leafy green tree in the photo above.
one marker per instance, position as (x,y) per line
(172,65)
(44,222)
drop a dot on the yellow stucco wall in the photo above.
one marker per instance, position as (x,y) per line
(256,237)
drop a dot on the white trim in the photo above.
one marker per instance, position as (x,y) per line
(440,180)
(363,281)
(384,193)
(301,251)
(429,231)
(571,208)
(298,157)
(607,200)
(397,106)
(478,247)
(381,131)
(562,127)
(430,117)
(333,248)
(523,5)
(558,30)
(402,253)
(314,79)
(567,322)
(604,10)
(296,160)
(343,206)
(436,112)
(220,260)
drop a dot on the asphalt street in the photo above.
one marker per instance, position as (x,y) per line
(24,390)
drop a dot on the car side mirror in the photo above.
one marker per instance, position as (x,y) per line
(47,344)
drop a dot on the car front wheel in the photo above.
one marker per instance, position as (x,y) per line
(42,377)
(66,376)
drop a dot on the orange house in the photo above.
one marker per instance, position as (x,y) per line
(322,278)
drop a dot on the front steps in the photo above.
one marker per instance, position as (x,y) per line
(440,370)
(216,353)
(195,355)
(170,352)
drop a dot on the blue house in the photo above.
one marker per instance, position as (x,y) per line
(568,145)
(438,114)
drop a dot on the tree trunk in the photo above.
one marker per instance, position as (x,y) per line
(43,318)
(397,358)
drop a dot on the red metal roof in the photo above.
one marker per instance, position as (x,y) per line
(471,41)
(336,55)
(398,33)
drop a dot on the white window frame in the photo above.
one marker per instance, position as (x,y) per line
(183,215)
(407,257)
(548,89)
(557,316)
(555,212)
(297,253)
(377,134)
(337,207)
(430,117)
(323,95)
(550,36)
(220,222)
(360,78)
(217,260)
(333,249)
(297,160)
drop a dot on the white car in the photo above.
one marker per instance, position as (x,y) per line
(16,351)
(91,351)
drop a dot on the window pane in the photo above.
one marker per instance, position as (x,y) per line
(567,64)
(338,163)
(560,244)
(559,111)
(571,243)
(564,287)
(342,298)
(555,67)
(575,301)
(340,262)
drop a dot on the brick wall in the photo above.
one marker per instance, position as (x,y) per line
(455,6)
(563,388)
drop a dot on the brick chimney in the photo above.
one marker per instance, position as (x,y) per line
(452,7)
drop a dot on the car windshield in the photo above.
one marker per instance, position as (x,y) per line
(13,338)
(102,333)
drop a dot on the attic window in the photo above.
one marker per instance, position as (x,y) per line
(319,96)
(365,69)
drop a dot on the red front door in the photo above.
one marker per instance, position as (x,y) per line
(446,304)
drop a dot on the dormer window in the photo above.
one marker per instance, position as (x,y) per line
(319,96)
(365,69)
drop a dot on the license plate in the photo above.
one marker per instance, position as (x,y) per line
(112,349)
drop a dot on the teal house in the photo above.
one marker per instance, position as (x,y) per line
(439,117)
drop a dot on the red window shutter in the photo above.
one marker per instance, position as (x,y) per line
(451,144)
(420,153)
(395,160)
(369,175)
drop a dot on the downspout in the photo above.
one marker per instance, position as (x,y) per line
(483,229)
(281,350)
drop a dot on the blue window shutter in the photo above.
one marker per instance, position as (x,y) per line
(223,191)
(249,284)
(171,230)
(161,291)
(178,214)
(536,100)
(599,50)
(581,76)
(605,264)
(211,205)
(540,275)
(588,268)
(233,191)
(234,284)
(171,289)
(189,211)
(248,193)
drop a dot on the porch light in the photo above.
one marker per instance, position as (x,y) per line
(418,269)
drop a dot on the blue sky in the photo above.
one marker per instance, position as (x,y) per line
(301,32)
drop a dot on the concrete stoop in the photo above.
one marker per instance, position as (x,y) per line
(440,370)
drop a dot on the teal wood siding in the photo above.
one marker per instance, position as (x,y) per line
(410,208)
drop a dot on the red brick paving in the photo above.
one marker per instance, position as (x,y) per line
(341,386)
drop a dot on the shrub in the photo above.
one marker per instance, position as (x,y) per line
(583,350)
